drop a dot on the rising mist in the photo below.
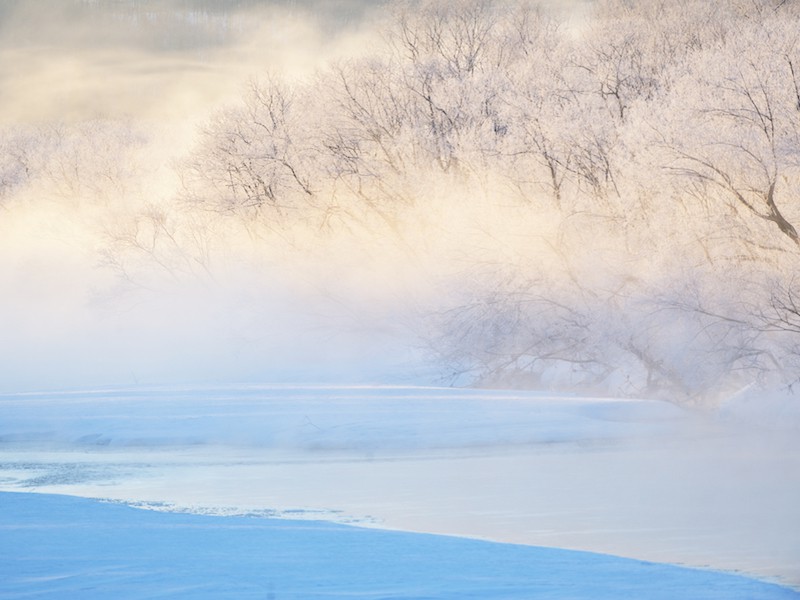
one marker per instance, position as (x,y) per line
(482,194)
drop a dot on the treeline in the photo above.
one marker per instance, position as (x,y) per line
(606,203)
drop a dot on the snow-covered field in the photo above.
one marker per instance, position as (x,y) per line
(639,479)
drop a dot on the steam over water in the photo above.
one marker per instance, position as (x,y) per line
(118,91)
(534,195)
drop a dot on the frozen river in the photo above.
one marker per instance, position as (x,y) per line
(639,479)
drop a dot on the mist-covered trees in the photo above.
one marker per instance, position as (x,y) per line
(608,202)
(250,159)
(625,187)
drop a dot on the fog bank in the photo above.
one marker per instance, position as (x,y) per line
(566,197)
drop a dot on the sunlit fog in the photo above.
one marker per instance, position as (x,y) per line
(572,196)
(527,272)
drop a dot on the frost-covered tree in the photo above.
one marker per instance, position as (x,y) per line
(16,147)
(740,103)
(611,204)
(252,159)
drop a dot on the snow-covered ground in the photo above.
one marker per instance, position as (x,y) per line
(639,479)
(61,547)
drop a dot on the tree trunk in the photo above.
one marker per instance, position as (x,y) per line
(776,217)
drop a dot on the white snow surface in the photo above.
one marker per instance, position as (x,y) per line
(640,479)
